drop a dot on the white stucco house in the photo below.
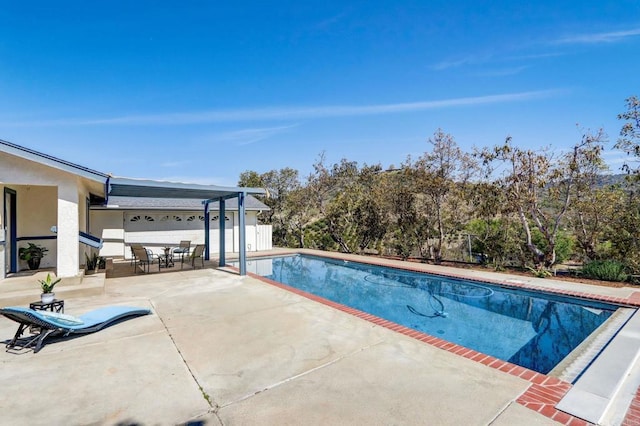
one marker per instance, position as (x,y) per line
(71,210)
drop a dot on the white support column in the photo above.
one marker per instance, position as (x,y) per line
(68,227)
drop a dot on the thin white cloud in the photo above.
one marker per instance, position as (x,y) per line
(173,164)
(503,72)
(331,21)
(596,38)
(534,56)
(292,113)
(461,61)
(584,38)
(250,136)
(196,180)
(616,158)
(495,58)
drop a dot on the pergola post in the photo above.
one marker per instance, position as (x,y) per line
(243,245)
(206,230)
(221,215)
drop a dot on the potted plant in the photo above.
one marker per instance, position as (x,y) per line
(32,254)
(47,285)
(93,263)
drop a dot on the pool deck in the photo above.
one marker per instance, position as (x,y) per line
(221,349)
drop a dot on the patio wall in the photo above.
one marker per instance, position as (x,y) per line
(157,229)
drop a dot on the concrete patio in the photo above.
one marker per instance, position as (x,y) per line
(221,349)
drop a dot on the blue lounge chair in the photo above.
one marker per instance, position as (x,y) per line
(52,323)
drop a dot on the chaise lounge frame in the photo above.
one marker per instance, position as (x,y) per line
(92,321)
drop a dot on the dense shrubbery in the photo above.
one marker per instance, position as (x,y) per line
(502,205)
(607,270)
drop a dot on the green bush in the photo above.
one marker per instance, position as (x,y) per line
(607,270)
(564,244)
(494,241)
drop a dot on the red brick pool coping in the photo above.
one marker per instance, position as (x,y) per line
(544,392)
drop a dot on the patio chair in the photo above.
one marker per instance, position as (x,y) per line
(184,249)
(144,258)
(53,323)
(133,253)
(198,252)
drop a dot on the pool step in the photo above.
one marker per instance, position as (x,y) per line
(609,384)
(574,364)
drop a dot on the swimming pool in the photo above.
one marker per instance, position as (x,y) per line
(531,329)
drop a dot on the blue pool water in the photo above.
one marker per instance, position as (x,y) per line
(534,330)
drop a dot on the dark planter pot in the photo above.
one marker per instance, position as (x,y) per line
(34,263)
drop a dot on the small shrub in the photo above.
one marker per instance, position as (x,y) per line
(540,273)
(607,270)
(94,262)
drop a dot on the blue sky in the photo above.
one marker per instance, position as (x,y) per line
(200,91)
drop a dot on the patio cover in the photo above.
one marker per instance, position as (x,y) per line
(126,187)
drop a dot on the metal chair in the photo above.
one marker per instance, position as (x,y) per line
(144,257)
(198,252)
(184,249)
(133,253)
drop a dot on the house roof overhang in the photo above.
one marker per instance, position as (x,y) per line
(51,161)
(126,187)
(174,204)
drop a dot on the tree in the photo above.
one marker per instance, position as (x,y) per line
(591,217)
(278,184)
(626,233)
(355,215)
(401,209)
(441,175)
(494,228)
(629,140)
(251,179)
(348,200)
(540,190)
(300,213)
(495,241)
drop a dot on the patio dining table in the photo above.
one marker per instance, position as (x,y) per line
(166,259)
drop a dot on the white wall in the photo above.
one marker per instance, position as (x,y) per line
(36,202)
(37,210)
(45,197)
(68,227)
(158,229)
(108,226)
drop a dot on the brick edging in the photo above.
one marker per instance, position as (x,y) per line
(544,392)
(542,396)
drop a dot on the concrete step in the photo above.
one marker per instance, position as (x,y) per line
(21,294)
(604,387)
